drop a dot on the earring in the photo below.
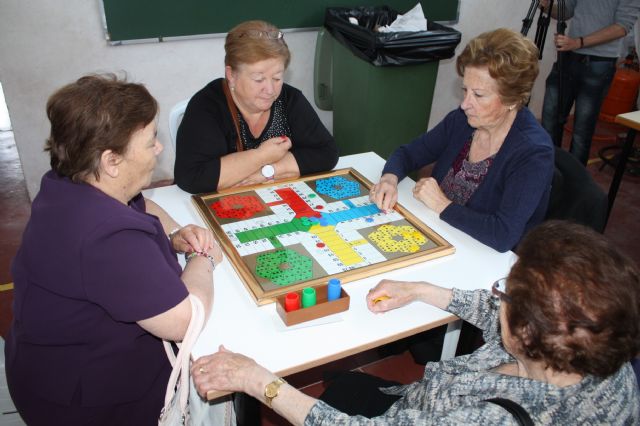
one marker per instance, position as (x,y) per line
(511,107)
(232,88)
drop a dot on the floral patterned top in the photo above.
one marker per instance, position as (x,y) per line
(453,391)
(464,177)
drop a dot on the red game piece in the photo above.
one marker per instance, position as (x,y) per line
(292,302)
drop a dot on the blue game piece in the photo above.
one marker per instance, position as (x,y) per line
(333,289)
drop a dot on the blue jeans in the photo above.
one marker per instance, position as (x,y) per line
(586,83)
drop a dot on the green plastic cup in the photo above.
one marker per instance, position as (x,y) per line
(308,297)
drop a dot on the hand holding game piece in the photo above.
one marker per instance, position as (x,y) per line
(380,299)
(385,193)
(390,294)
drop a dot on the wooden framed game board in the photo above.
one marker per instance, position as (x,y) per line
(299,233)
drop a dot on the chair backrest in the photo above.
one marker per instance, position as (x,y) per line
(575,195)
(175,117)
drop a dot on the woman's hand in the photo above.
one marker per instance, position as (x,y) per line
(428,191)
(274,149)
(252,179)
(385,193)
(196,238)
(228,371)
(390,294)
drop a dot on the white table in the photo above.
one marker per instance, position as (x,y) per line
(632,121)
(258,332)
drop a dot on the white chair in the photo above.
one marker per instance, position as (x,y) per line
(175,117)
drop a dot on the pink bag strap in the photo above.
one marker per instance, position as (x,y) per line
(180,374)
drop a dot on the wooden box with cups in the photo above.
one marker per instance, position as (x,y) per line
(312,302)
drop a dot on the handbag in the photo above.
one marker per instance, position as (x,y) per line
(234,113)
(182,404)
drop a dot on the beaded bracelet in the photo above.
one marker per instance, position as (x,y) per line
(189,256)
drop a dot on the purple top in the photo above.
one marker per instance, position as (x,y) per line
(88,268)
(464,177)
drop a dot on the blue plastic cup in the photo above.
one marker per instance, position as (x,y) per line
(333,289)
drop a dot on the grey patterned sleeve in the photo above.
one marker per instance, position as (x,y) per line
(477,307)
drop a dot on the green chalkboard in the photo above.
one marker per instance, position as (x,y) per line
(128,20)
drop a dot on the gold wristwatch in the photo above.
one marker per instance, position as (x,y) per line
(272,389)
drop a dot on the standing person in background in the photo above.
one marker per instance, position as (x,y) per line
(592,45)
(250,127)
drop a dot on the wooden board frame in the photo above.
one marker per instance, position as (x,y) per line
(262,296)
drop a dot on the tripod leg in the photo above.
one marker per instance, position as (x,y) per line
(561,78)
(541,31)
(526,22)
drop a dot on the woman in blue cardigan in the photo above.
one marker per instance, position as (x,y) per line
(493,161)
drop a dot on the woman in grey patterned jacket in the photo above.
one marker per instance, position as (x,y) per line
(560,331)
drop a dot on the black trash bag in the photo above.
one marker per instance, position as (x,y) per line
(393,48)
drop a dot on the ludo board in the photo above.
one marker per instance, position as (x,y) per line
(299,233)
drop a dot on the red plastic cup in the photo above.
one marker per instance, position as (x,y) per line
(291,302)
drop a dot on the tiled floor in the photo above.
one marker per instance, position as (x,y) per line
(392,362)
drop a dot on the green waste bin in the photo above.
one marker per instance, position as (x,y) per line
(375,108)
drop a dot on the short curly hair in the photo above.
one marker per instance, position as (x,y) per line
(574,300)
(510,58)
(243,47)
(91,115)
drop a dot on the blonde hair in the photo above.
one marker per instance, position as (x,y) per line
(510,58)
(243,47)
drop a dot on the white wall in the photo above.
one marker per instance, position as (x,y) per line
(45,44)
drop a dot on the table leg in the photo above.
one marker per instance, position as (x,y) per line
(620,168)
(451,339)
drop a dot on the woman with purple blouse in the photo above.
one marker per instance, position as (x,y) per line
(97,281)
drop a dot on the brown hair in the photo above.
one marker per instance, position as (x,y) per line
(575,300)
(510,58)
(242,46)
(94,114)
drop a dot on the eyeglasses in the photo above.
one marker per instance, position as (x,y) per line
(271,35)
(499,290)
